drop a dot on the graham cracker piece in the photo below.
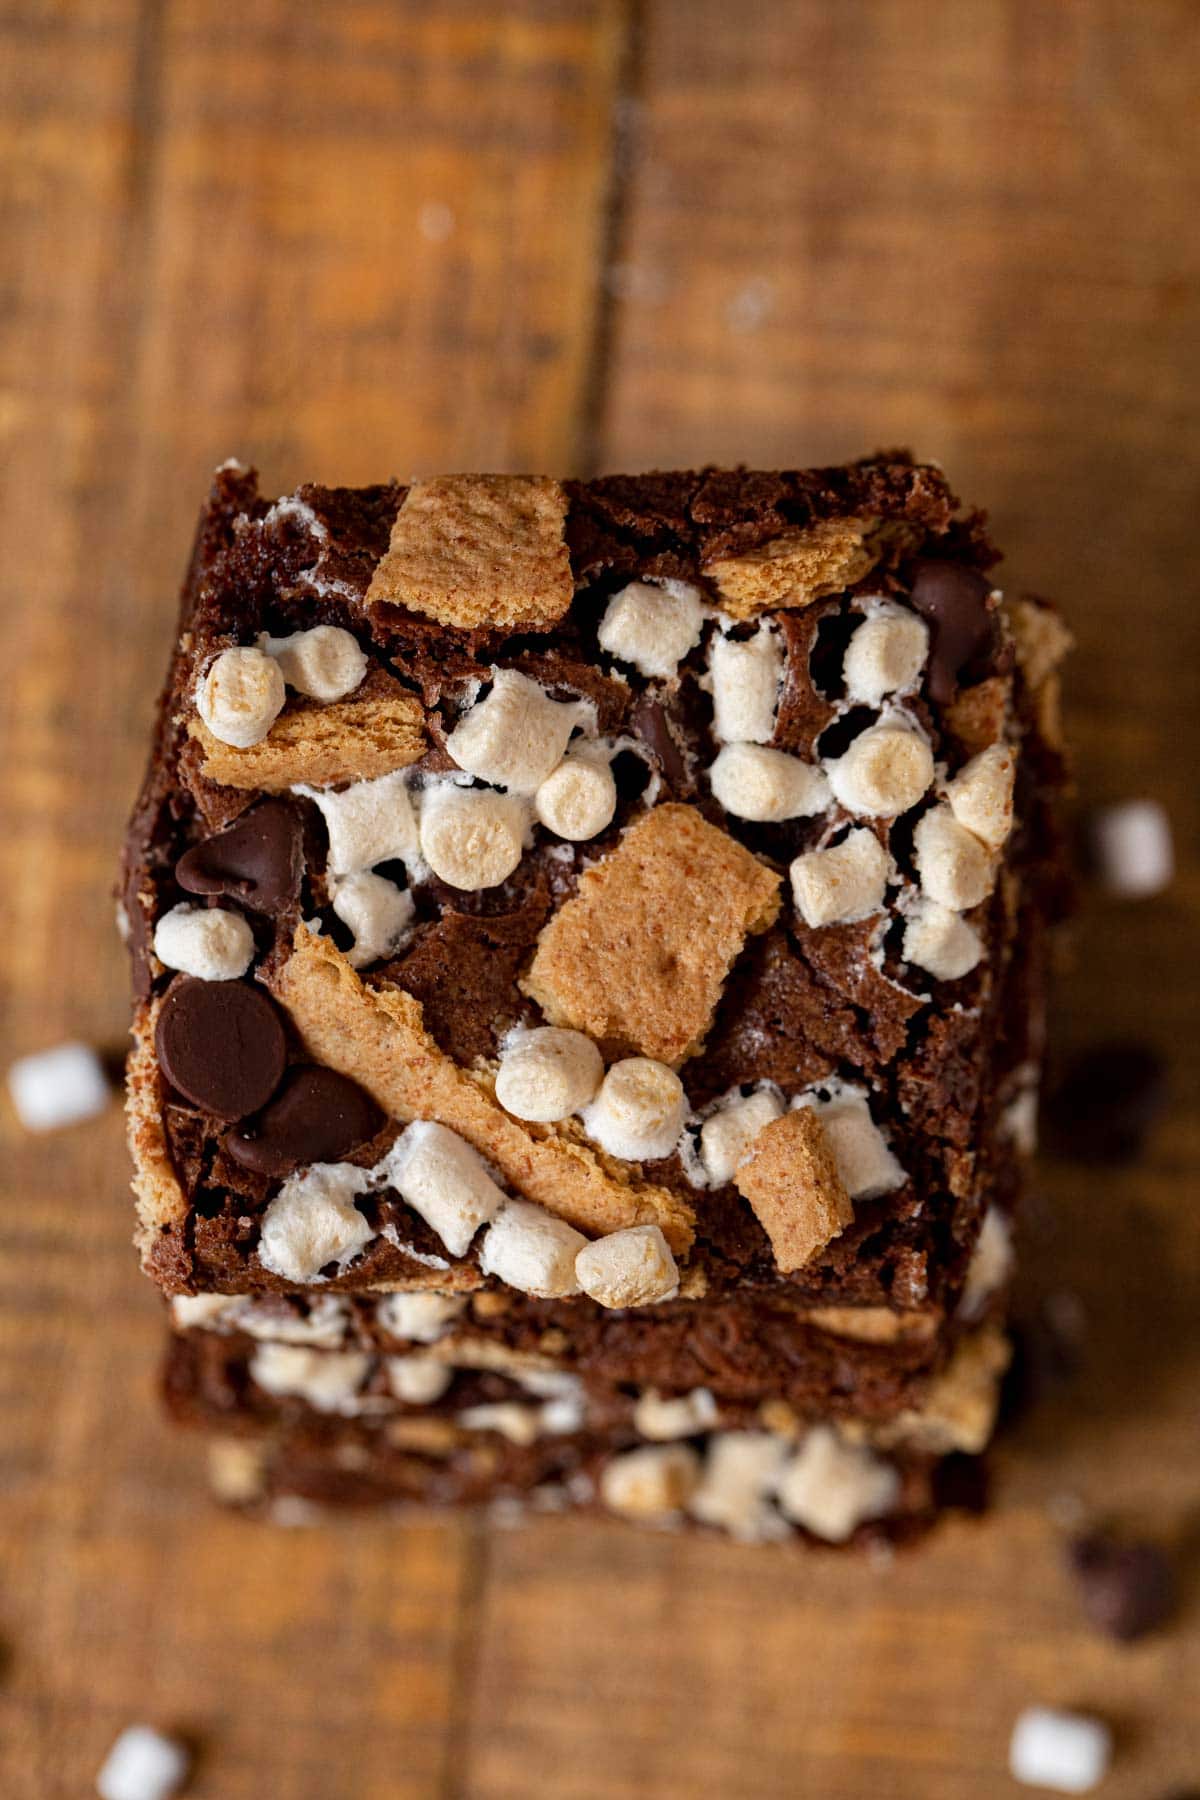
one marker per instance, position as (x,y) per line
(792,1183)
(380,729)
(797,568)
(160,1199)
(377,1037)
(958,1411)
(978,716)
(874,1324)
(479,550)
(638,957)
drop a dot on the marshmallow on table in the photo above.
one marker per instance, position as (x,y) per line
(956,869)
(842,884)
(313,1221)
(378,912)
(683,1416)
(633,1267)
(653,1482)
(420,1318)
(727,1135)
(325,663)
(940,941)
(981,794)
(652,626)
(471,838)
(762,785)
(329,1380)
(369,822)
(546,1074)
(1066,1752)
(741,1469)
(1134,854)
(418,1380)
(885,771)
(142,1765)
(516,736)
(746,675)
(864,1162)
(885,655)
(240,696)
(578,799)
(209,942)
(529,1249)
(831,1487)
(445,1179)
(639,1111)
(58,1087)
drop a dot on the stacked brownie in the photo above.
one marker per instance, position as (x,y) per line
(589,942)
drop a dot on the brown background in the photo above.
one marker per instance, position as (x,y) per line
(350,240)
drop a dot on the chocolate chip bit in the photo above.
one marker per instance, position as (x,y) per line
(317,1116)
(954,598)
(221,1044)
(257,860)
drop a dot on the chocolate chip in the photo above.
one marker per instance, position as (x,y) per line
(221,1045)
(317,1116)
(1127,1588)
(953,597)
(1105,1104)
(257,860)
(648,721)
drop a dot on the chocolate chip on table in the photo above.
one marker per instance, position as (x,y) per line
(221,1045)
(1105,1104)
(953,597)
(1127,1588)
(317,1116)
(256,860)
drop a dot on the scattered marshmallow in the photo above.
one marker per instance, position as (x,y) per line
(651,626)
(990,1266)
(419,1318)
(529,1249)
(831,1487)
(58,1087)
(208,942)
(547,1074)
(956,869)
(1133,850)
(864,1162)
(241,696)
(746,675)
(727,1136)
(885,655)
(683,1416)
(741,1470)
(143,1765)
(762,785)
(639,1111)
(653,1482)
(845,883)
(471,837)
(940,941)
(981,794)
(446,1180)
(325,663)
(628,1268)
(313,1221)
(379,913)
(1067,1752)
(369,822)
(885,771)
(516,736)
(418,1380)
(329,1380)
(578,799)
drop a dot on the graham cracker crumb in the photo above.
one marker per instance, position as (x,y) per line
(381,729)
(160,1199)
(873,1324)
(978,716)
(959,1408)
(792,1183)
(797,568)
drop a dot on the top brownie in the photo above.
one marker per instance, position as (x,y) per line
(605,887)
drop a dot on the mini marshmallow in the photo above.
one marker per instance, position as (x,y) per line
(515,737)
(741,1469)
(885,655)
(762,785)
(832,1487)
(511,1419)
(639,1111)
(241,696)
(142,1765)
(981,794)
(578,799)
(1067,1752)
(864,1162)
(313,1221)
(727,1137)
(420,1318)
(58,1087)
(190,1311)
(379,913)
(470,837)
(529,1249)
(840,885)
(746,676)
(654,1482)
(1133,850)
(329,1380)
(208,942)
(443,1178)
(990,1266)
(418,1380)
(653,627)
(324,1327)
(325,663)
(885,771)
(684,1416)
(940,941)
(546,1074)
(628,1268)
(369,822)
(956,870)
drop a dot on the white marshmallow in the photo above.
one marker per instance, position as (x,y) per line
(329,1380)
(981,794)
(940,941)
(515,737)
(142,1765)
(727,1137)
(1067,1752)
(323,1328)
(379,913)
(578,799)
(653,627)
(639,1111)
(831,1487)
(529,1249)
(208,942)
(746,676)
(685,1415)
(446,1180)
(510,1419)
(418,1380)
(956,870)
(653,1482)
(885,771)
(313,1221)
(58,1087)
(547,1074)
(885,655)
(470,837)
(241,696)
(325,663)
(845,883)
(1133,848)
(628,1268)
(864,1162)
(752,782)
(195,1311)
(368,823)
(419,1318)
(741,1469)
(990,1266)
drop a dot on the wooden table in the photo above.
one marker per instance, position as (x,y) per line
(348,240)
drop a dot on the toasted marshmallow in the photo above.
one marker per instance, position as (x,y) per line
(208,942)
(547,1074)
(885,655)
(445,1179)
(885,771)
(516,736)
(312,1221)
(727,1136)
(325,663)
(578,799)
(762,785)
(832,1487)
(241,696)
(746,676)
(379,913)
(639,1111)
(654,1482)
(329,1380)
(628,1268)
(652,627)
(860,1150)
(940,941)
(470,837)
(981,794)
(845,883)
(369,822)
(527,1248)
(956,869)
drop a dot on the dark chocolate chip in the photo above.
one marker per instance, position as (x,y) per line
(953,598)
(1128,1589)
(648,721)
(221,1045)
(1106,1103)
(257,860)
(317,1116)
